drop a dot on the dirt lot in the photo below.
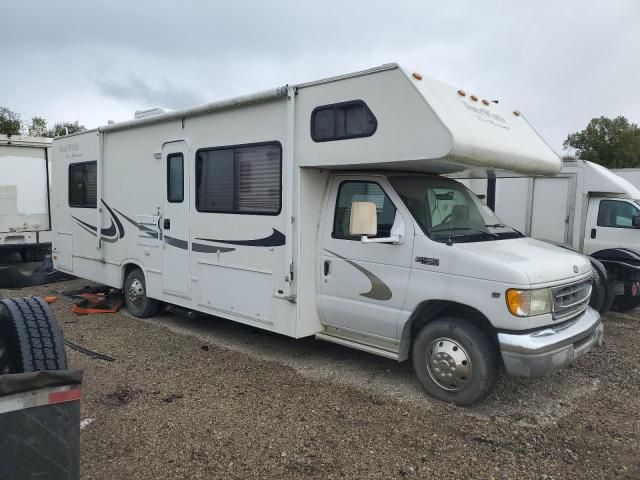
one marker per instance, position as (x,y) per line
(208,398)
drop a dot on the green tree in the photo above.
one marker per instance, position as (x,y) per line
(611,142)
(10,122)
(61,128)
(38,127)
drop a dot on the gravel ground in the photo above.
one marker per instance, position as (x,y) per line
(207,398)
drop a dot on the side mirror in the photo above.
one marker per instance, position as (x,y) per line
(364,219)
(635,221)
(396,236)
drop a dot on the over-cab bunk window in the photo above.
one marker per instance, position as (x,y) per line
(243,179)
(83,185)
(341,121)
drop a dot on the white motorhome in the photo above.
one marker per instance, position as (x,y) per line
(319,210)
(587,207)
(24,195)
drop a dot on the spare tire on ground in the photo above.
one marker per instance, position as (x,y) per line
(30,339)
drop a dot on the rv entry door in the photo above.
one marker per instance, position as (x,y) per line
(175,220)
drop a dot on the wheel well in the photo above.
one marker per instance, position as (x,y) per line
(431,310)
(128,268)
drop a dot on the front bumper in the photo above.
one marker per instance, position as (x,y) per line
(551,348)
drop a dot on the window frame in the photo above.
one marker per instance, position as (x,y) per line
(71,205)
(235,146)
(338,105)
(169,157)
(616,226)
(335,210)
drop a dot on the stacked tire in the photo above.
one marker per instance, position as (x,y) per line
(30,339)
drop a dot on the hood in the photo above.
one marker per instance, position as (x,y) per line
(541,262)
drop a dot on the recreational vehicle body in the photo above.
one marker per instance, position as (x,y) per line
(319,209)
(24,195)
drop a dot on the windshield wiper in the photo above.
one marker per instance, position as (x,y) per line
(473,229)
(502,225)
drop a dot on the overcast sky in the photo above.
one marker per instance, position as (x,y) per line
(559,62)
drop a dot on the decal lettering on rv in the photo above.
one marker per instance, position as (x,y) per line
(485,115)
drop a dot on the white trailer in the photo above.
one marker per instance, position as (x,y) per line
(585,207)
(24,195)
(319,210)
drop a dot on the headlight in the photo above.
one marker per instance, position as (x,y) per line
(527,303)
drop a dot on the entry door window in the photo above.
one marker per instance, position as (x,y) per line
(616,214)
(175,178)
(358,191)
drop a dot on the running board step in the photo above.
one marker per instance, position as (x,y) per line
(358,346)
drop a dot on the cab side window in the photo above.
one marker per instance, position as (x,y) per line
(616,214)
(358,191)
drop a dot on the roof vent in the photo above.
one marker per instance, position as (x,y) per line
(149,113)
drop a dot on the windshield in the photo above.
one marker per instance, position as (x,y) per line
(447,211)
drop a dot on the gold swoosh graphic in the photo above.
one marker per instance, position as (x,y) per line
(379,290)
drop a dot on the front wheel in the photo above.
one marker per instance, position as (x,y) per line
(455,361)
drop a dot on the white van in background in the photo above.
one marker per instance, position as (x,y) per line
(319,209)
(631,175)
(24,196)
(586,207)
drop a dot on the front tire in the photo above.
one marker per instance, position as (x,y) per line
(455,361)
(135,296)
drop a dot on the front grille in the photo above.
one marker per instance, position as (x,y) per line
(572,299)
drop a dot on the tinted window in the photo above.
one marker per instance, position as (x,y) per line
(243,179)
(613,213)
(340,121)
(82,185)
(175,178)
(354,191)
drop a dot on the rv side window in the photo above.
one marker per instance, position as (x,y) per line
(340,121)
(82,185)
(175,178)
(358,191)
(241,179)
(616,214)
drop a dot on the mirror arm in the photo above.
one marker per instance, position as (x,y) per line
(395,239)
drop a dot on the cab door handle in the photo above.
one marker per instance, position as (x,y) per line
(327,267)
(593,233)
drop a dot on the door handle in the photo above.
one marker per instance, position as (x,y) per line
(167,224)
(593,233)
(327,265)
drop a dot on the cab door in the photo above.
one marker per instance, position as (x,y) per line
(363,286)
(610,224)
(176,222)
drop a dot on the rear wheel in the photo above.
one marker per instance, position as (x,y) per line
(30,339)
(455,361)
(135,295)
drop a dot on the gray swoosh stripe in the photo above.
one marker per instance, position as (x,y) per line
(149,231)
(379,289)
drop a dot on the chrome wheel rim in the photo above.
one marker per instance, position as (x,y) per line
(448,364)
(135,294)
